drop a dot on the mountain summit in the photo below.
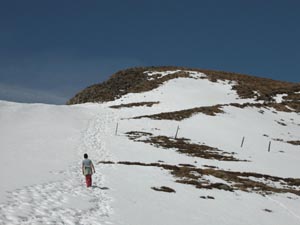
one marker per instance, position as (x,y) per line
(143,79)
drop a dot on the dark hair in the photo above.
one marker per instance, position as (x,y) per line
(85,156)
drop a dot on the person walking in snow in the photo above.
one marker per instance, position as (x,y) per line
(87,170)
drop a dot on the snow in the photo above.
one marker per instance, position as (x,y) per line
(139,204)
(42,148)
(279,97)
(40,168)
(27,137)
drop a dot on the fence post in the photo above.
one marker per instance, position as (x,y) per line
(242,142)
(269,149)
(116,133)
(176,132)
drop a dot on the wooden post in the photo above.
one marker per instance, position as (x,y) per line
(242,142)
(116,133)
(176,132)
(269,149)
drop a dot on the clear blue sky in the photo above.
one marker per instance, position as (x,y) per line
(51,49)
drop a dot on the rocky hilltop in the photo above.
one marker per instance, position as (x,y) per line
(136,80)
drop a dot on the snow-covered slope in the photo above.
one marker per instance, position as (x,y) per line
(41,151)
(212,179)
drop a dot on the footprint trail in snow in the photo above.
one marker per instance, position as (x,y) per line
(67,201)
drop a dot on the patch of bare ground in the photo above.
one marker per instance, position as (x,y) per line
(297,142)
(217,109)
(211,167)
(164,189)
(207,197)
(283,107)
(135,104)
(290,106)
(183,146)
(294,142)
(268,210)
(278,139)
(183,114)
(244,181)
(256,87)
(281,123)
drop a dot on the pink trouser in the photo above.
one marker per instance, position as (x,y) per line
(88,180)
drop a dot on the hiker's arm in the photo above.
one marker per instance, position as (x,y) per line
(93,168)
(82,168)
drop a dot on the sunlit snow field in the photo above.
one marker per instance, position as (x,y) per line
(42,147)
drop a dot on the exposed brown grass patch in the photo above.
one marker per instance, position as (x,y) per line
(247,85)
(268,210)
(216,109)
(283,107)
(294,142)
(183,114)
(281,123)
(207,197)
(183,146)
(244,181)
(135,104)
(164,189)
